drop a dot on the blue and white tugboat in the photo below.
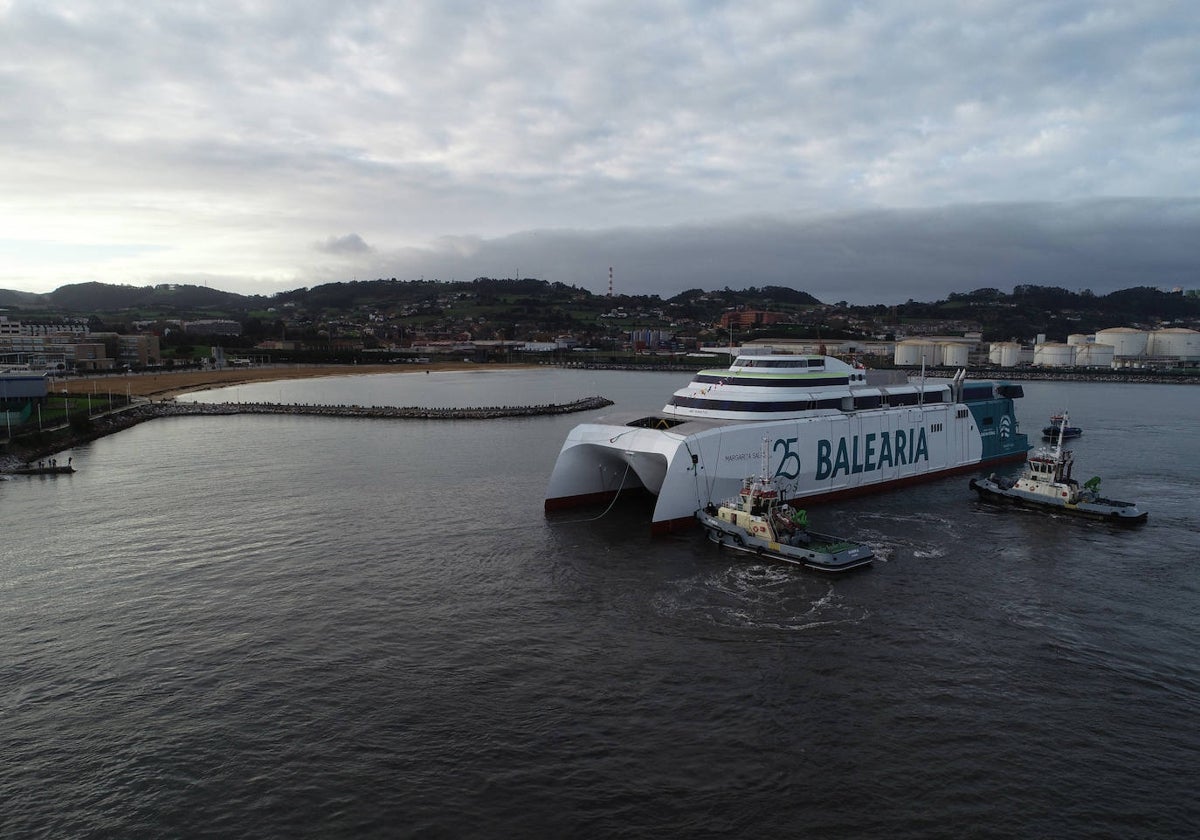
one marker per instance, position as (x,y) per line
(1046,482)
(759,522)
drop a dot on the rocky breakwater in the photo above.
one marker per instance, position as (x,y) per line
(22,449)
(383,412)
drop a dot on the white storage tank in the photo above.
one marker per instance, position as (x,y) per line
(1054,354)
(1094,355)
(954,354)
(910,352)
(1078,339)
(1125,341)
(1175,343)
(1004,353)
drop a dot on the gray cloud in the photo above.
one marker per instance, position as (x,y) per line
(351,243)
(428,128)
(882,256)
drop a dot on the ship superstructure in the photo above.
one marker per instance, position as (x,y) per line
(834,429)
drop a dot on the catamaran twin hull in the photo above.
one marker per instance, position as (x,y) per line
(818,457)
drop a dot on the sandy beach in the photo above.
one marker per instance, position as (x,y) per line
(167,384)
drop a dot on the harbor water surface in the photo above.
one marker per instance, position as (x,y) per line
(312,627)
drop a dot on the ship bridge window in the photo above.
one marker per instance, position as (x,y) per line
(908,398)
(977,392)
(869,401)
(655,423)
(776,363)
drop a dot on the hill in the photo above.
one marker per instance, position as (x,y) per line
(525,308)
(1049,310)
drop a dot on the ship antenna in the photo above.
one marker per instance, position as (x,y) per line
(921,397)
(1062,428)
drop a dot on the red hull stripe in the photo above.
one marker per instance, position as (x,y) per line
(566,502)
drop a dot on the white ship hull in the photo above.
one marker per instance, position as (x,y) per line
(830,430)
(815,457)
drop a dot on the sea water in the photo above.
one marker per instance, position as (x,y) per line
(297,626)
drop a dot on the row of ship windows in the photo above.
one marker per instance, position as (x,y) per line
(893,400)
(860,403)
(771,383)
(780,363)
(971,393)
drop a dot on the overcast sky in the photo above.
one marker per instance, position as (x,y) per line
(867,151)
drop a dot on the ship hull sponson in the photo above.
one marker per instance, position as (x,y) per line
(815,458)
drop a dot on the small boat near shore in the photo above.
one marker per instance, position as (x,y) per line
(1046,483)
(1060,427)
(43,469)
(757,521)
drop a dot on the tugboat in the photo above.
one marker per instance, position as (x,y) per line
(1059,424)
(1046,482)
(758,521)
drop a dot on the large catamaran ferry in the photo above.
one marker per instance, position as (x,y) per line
(834,430)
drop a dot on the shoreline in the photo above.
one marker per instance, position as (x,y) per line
(166,385)
(159,388)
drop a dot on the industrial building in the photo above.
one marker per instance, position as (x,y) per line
(935,351)
(1113,348)
(20,391)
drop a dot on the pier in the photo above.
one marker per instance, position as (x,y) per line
(382,412)
(19,450)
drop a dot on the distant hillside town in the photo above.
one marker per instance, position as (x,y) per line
(92,327)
